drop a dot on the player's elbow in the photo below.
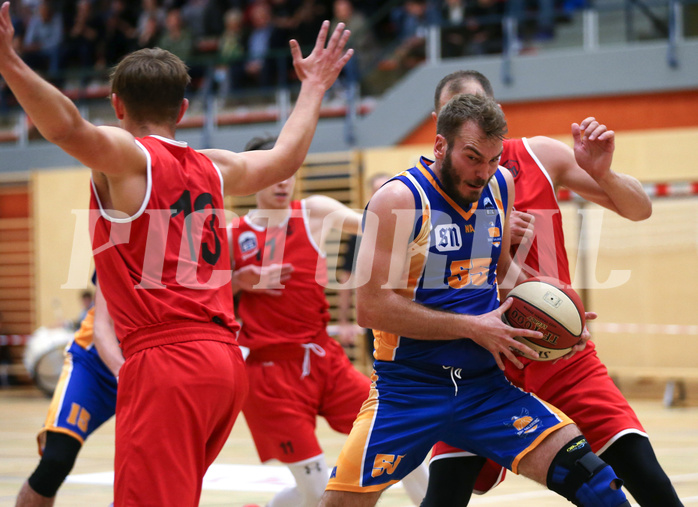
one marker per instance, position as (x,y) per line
(367,313)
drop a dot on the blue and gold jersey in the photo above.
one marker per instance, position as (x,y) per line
(451,266)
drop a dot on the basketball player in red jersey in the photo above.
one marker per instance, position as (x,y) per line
(295,370)
(578,385)
(161,256)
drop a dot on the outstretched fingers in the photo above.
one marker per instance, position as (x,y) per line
(322,36)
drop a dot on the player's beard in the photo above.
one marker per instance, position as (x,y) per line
(452,182)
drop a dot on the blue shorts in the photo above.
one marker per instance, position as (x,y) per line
(85,396)
(410,408)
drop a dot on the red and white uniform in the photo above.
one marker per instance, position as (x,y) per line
(580,386)
(163,274)
(296,371)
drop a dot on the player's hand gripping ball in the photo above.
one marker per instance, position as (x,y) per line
(544,305)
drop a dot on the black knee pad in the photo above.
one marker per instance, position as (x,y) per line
(583,478)
(56,463)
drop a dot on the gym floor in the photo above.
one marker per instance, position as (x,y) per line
(237,478)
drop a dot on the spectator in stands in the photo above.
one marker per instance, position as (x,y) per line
(194,11)
(43,38)
(231,53)
(120,31)
(484,25)
(176,38)
(150,22)
(543,20)
(264,38)
(82,37)
(362,39)
(412,21)
(454,33)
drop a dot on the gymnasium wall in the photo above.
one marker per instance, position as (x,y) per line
(56,194)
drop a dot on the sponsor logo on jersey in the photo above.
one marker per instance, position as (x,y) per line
(524,424)
(248,243)
(447,238)
(494,234)
(334,473)
(490,208)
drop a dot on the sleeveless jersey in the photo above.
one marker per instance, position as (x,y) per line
(301,311)
(166,269)
(451,266)
(535,194)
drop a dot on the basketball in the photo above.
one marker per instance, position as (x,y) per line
(542,304)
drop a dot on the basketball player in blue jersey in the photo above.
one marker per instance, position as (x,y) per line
(435,248)
(84,399)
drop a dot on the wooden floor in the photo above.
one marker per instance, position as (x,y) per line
(674,433)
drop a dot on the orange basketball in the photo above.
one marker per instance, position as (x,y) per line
(544,305)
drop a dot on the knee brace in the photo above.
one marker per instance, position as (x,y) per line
(583,478)
(56,463)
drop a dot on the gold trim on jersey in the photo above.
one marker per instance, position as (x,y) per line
(417,251)
(457,207)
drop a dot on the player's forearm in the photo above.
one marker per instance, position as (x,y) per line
(395,314)
(295,138)
(628,196)
(53,113)
(108,347)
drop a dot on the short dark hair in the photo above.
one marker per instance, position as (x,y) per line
(456,82)
(484,111)
(151,83)
(261,143)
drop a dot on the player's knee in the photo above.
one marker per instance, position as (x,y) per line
(583,478)
(55,464)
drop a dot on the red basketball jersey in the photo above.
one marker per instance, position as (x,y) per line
(301,311)
(166,269)
(535,194)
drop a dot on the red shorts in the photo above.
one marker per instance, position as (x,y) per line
(283,404)
(581,388)
(176,405)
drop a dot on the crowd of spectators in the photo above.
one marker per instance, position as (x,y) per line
(244,43)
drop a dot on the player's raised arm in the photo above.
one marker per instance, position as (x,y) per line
(105,149)
(248,172)
(586,170)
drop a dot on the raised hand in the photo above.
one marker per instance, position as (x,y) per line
(324,64)
(497,337)
(521,227)
(7,31)
(593,147)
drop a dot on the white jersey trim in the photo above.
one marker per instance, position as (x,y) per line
(167,140)
(261,228)
(540,166)
(148,190)
(306,223)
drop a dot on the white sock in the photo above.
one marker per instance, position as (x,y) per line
(416,482)
(311,478)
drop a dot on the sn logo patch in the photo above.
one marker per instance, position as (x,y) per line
(447,238)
